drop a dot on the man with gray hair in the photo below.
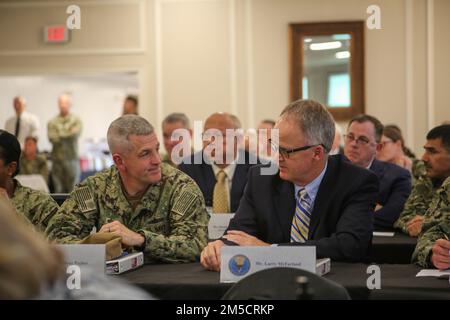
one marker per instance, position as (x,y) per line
(315,199)
(171,123)
(153,207)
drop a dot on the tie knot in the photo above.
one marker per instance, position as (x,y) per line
(221,176)
(302,194)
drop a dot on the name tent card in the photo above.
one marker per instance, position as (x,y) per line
(238,262)
(218,223)
(91,256)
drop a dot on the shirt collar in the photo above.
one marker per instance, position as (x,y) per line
(370,163)
(313,186)
(229,170)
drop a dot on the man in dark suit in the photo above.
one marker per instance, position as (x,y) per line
(313,200)
(221,179)
(362,142)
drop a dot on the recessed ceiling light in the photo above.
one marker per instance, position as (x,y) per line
(343,54)
(325,45)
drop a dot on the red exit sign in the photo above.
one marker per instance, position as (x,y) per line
(56,34)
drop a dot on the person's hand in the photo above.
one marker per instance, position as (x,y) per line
(414,226)
(243,239)
(378,207)
(440,256)
(129,238)
(210,256)
(4,193)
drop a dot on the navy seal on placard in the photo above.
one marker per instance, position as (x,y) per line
(239,265)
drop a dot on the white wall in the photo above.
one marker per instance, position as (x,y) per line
(201,56)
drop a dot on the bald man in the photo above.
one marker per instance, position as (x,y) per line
(221,168)
(63,133)
(23,124)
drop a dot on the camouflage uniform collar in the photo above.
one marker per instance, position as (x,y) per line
(17,187)
(115,191)
(18,190)
(446,182)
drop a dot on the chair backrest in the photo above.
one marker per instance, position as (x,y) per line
(280,284)
(59,197)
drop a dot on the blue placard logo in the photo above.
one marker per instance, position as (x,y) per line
(239,265)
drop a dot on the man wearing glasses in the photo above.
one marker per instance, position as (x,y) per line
(362,142)
(315,199)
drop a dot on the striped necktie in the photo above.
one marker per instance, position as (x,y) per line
(300,223)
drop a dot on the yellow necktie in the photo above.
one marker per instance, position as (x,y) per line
(220,196)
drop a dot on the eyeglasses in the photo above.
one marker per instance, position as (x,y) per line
(362,141)
(286,152)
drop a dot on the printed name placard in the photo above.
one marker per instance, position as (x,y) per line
(238,262)
(92,256)
(218,223)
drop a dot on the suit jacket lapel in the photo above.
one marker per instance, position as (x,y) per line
(321,202)
(238,183)
(284,206)
(209,182)
(377,168)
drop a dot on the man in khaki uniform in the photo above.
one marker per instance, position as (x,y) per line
(63,133)
(36,206)
(430,198)
(154,207)
(31,162)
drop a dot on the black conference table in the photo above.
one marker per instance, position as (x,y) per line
(395,250)
(191,282)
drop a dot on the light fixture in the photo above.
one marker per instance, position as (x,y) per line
(325,45)
(343,55)
(306,40)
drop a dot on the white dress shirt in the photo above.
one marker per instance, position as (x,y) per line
(29,125)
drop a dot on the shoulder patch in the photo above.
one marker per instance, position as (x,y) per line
(84,199)
(184,203)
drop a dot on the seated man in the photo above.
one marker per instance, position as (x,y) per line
(430,192)
(315,199)
(362,142)
(31,162)
(222,183)
(171,123)
(38,207)
(130,105)
(433,246)
(154,207)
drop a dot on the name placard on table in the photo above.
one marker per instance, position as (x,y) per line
(218,223)
(91,256)
(238,262)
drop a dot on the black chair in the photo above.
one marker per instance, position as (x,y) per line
(59,197)
(282,284)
